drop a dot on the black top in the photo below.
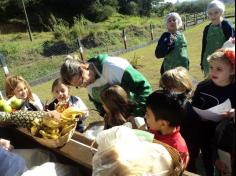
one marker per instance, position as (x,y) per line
(227,28)
(164,45)
(208,95)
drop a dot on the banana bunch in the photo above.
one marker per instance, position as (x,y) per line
(49,128)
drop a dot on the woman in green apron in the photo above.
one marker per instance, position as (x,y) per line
(215,34)
(172,45)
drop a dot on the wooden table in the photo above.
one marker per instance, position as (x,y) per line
(79,150)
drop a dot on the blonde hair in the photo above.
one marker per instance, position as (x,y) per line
(11,83)
(177,17)
(177,78)
(219,56)
(216,4)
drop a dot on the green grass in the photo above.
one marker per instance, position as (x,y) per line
(149,66)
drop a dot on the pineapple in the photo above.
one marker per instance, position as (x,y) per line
(22,118)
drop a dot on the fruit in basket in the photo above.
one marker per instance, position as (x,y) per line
(50,128)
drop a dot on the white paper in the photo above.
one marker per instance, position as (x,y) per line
(225,157)
(214,113)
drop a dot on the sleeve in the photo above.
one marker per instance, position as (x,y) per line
(98,106)
(139,88)
(81,105)
(164,45)
(37,103)
(11,164)
(228,29)
(204,42)
(51,105)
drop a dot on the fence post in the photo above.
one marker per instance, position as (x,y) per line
(124,39)
(81,51)
(195,18)
(4,65)
(184,23)
(151,31)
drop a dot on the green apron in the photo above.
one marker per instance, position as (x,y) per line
(178,56)
(215,40)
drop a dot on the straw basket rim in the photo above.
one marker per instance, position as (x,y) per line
(55,143)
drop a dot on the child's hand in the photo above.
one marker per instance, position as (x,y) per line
(6,144)
(54,114)
(229,114)
(172,39)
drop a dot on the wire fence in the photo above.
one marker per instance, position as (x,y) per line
(128,39)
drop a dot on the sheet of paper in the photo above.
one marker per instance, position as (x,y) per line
(214,113)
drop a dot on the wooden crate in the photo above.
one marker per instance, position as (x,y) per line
(79,150)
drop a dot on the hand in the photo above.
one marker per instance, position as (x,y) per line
(6,144)
(172,39)
(54,114)
(229,114)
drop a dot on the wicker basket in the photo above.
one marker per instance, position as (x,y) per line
(52,143)
(178,165)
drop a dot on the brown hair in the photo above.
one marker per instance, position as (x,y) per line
(57,82)
(117,101)
(220,56)
(11,83)
(177,78)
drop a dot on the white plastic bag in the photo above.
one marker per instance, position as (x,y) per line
(122,153)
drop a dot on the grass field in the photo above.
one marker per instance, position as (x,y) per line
(148,65)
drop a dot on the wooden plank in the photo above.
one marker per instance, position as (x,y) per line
(79,150)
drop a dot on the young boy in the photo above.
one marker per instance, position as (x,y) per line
(215,34)
(164,114)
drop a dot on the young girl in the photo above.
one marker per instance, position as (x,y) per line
(19,87)
(214,34)
(172,45)
(61,94)
(212,98)
(117,106)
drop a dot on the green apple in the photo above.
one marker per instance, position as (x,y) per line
(15,103)
(4,106)
(2,102)
(7,108)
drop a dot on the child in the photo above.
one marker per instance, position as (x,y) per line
(177,80)
(19,87)
(172,45)
(164,115)
(117,106)
(60,92)
(214,34)
(180,82)
(209,98)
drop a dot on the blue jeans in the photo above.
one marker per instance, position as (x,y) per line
(11,164)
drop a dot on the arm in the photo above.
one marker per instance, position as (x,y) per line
(138,87)
(164,46)
(228,30)
(204,42)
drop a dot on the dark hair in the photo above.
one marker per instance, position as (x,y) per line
(117,101)
(57,82)
(69,69)
(166,106)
